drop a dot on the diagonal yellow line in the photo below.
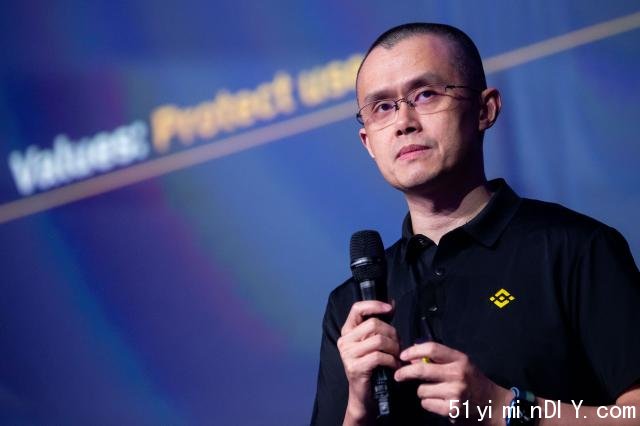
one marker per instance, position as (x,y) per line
(260,136)
(561,43)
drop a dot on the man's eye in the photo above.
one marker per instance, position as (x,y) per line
(382,107)
(424,95)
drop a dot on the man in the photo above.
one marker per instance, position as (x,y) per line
(528,302)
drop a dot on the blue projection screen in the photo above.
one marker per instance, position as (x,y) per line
(179,182)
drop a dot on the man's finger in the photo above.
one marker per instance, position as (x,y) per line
(433,351)
(368,328)
(376,359)
(425,372)
(361,310)
(375,343)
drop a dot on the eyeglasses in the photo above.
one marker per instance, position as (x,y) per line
(427,99)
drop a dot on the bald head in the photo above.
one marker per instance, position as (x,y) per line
(463,53)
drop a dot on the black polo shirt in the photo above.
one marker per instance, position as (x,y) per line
(539,297)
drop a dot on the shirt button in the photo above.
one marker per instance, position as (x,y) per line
(439,272)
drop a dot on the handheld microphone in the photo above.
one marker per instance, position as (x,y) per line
(369,268)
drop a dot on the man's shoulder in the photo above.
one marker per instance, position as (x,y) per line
(553,217)
(559,224)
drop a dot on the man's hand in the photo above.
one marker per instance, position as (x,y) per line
(447,374)
(366,343)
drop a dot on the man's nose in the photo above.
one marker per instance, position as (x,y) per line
(407,118)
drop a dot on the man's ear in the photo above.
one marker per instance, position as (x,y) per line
(365,141)
(490,105)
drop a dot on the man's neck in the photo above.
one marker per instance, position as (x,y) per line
(434,215)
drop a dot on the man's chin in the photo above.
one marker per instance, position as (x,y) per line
(417,184)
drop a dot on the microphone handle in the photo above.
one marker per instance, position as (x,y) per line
(381,392)
(368,290)
(381,377)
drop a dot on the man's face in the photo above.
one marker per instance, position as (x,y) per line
(416,151)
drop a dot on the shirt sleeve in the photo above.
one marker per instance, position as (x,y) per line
(332,391)
(608,310)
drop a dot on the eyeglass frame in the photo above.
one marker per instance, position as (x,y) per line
(396,102)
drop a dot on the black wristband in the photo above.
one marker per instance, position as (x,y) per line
(521,408)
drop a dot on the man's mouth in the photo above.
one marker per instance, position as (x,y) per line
(406,150)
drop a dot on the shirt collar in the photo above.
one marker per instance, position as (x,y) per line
(486,227)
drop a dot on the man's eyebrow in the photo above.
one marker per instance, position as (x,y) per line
(387,93)
(377,95)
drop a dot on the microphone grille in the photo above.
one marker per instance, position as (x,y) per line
(368,261)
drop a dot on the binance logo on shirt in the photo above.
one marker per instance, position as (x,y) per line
(502,298)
